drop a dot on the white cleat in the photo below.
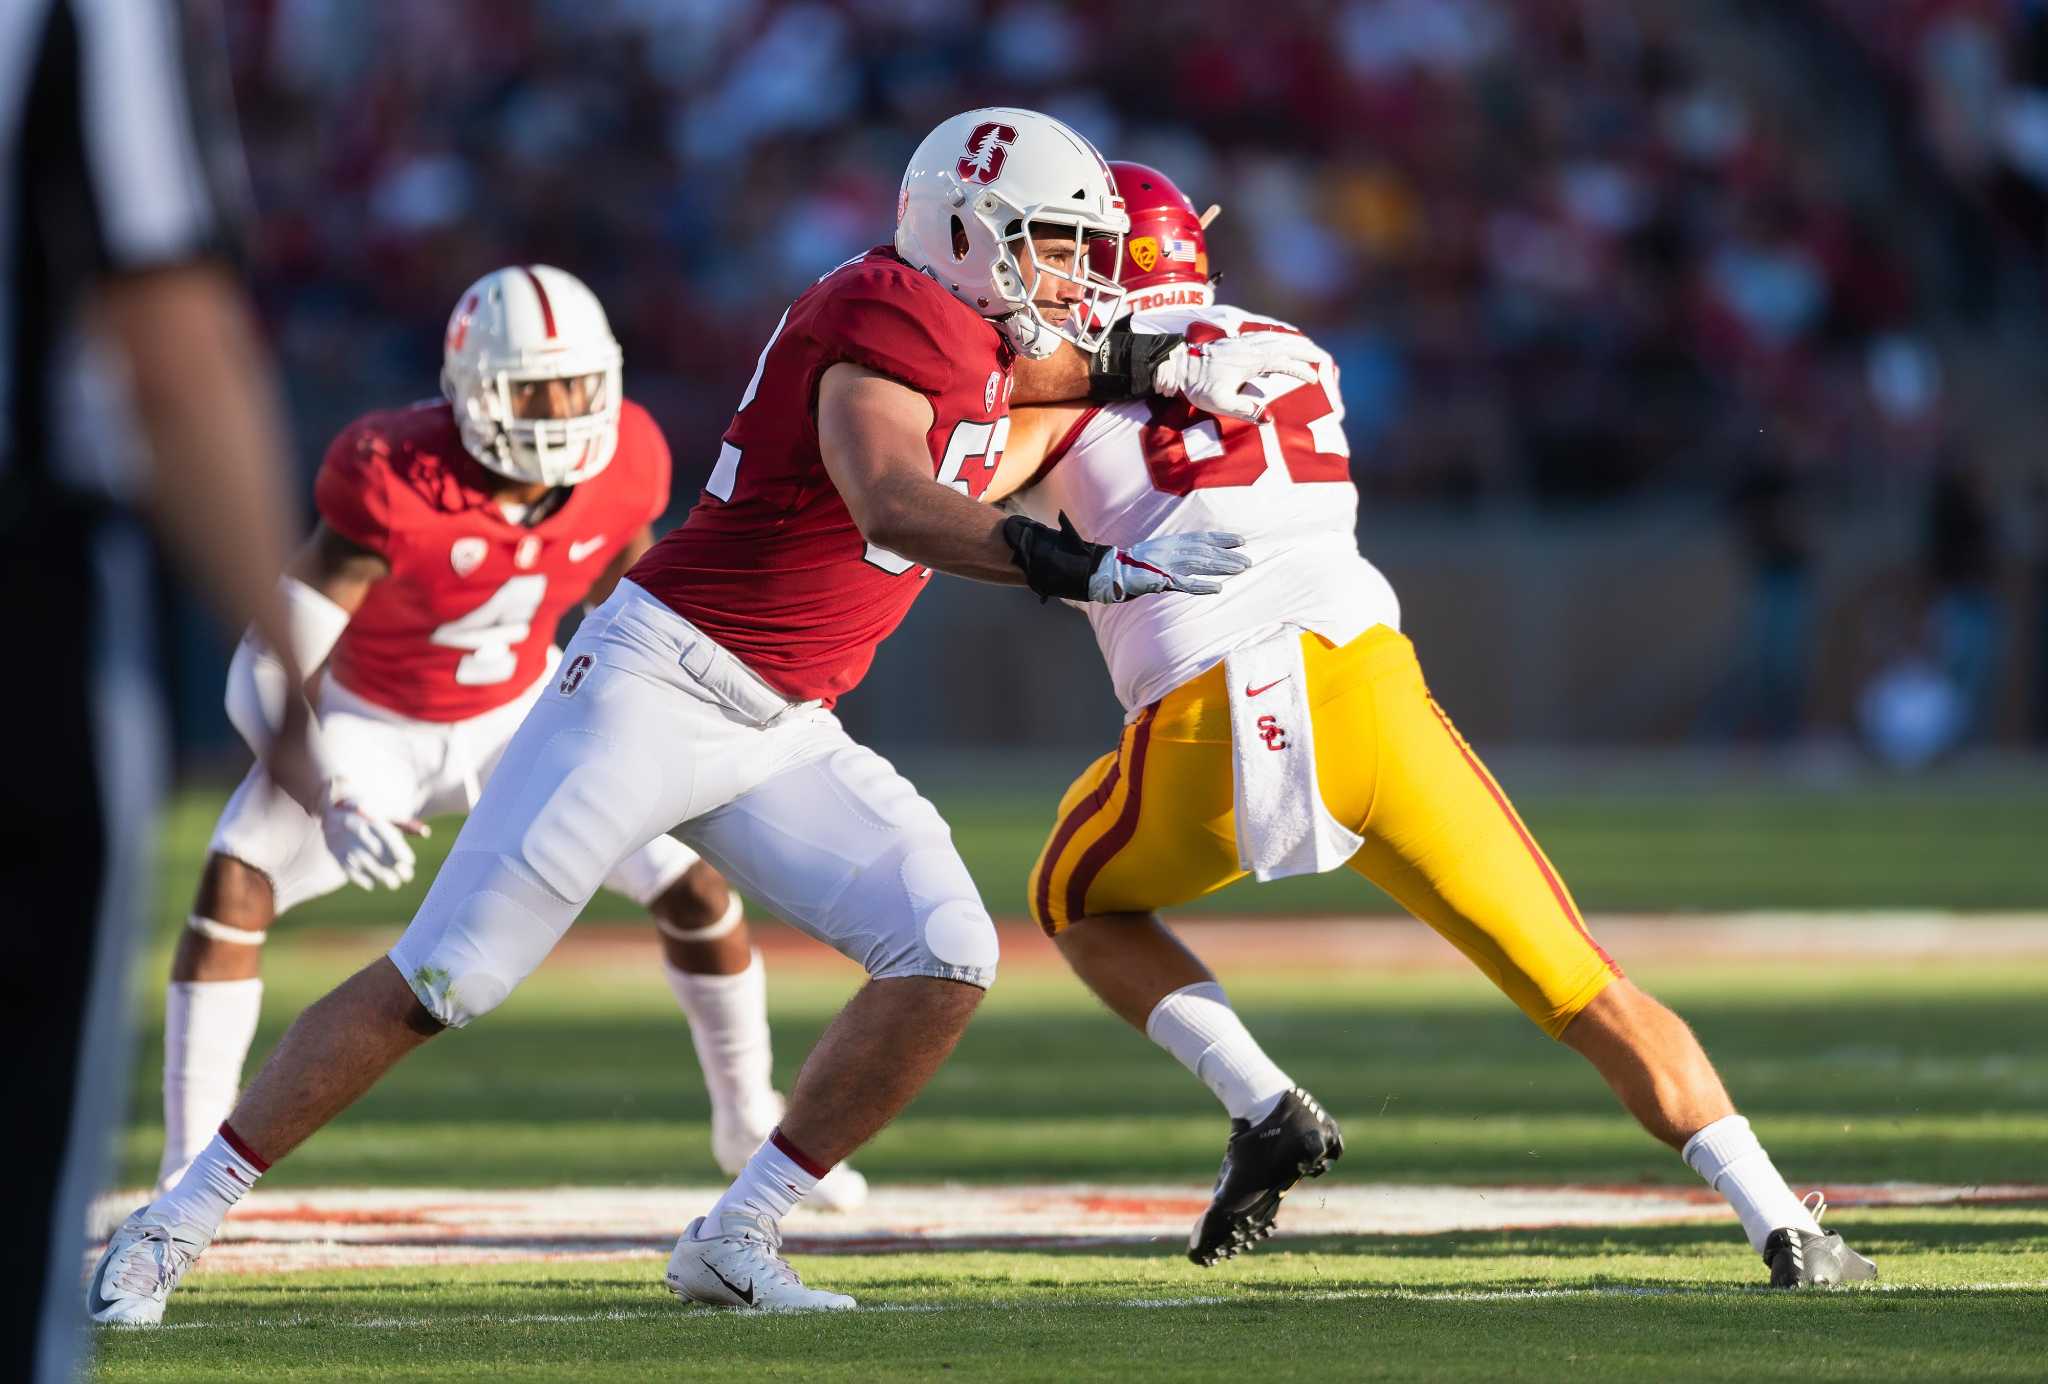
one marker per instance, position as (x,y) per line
(736,1134)
(144,1261)
(742,1266)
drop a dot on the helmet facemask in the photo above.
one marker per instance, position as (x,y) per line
(532,372)
(1017,263)
(1088,318)
(531,444)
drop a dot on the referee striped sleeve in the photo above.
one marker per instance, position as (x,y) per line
(158,131)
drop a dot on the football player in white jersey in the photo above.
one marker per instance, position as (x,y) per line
(1282,727)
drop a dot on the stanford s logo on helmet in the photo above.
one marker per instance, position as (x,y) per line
(974,193)
(528,325)
(987,149)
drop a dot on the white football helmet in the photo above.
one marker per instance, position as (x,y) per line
(527,324)
(974,192)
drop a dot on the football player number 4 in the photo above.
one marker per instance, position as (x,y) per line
(492,631)
(969,442)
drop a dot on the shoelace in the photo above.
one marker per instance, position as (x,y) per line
(1816,1205)
(769,1235)
(152,1272)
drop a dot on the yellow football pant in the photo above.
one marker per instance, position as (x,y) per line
(1152,825)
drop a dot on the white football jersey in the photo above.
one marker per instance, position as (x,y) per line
(1133,470)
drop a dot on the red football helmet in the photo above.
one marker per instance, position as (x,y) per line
(1165,244)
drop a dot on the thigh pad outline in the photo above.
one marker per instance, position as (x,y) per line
(595,814)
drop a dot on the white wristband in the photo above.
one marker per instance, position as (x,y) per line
(315,623)
(255,688)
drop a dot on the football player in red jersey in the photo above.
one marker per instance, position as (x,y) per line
(453,537)
(698,697)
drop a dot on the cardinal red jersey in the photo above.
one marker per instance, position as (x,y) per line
(770,563)
(463,623)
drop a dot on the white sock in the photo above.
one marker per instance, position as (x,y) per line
(208,1027)
(219,1177)
(775,1179)
(729,1024)
(1197,1025)
(1726,1153)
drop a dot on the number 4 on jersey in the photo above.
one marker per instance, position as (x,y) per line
(492,631)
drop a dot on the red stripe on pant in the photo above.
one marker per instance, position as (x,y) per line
(1557,889)
(1083,812)
(1118,836)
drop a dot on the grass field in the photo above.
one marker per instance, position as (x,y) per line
(1929,1066)
(1633,1305)
(1654,841)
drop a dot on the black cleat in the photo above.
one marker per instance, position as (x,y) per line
(1802,1259)
(1260,1164)
(1813,1258)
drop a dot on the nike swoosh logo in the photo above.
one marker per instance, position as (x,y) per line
(97,1302)
(1250,691)
(745,1294)
(579,551)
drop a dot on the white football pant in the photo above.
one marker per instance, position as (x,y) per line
(397,767)
(650,727)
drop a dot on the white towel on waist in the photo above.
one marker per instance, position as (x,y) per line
(1283,828)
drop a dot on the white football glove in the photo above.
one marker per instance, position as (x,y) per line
(1190,562)
(372,850)
(1222,376)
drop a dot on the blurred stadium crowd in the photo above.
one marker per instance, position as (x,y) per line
(1552,256)
(1975,77)
(1560,257)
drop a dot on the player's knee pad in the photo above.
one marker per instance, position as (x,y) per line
(915,912)
(485,926)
